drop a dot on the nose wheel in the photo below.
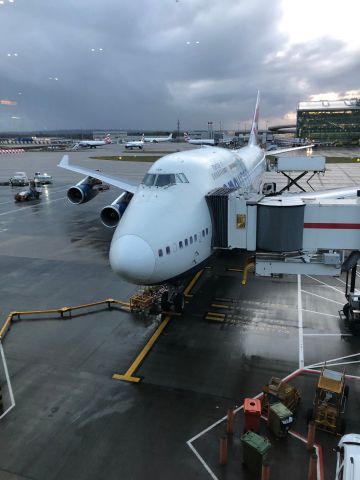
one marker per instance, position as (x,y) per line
(175,301)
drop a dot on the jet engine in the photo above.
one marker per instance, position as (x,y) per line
(111,214)
(84,191)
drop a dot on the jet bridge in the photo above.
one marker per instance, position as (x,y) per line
(287,234)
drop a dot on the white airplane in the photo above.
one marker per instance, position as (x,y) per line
(198,141)
(158,139)
(163,226)
(136,143)
(92,143)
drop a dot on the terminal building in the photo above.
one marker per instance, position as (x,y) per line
(329,122)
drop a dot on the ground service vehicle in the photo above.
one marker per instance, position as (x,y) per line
(43,178)
(330,401)
(19,179)
(32,193)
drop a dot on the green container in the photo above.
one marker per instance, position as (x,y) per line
(280,419)
(255,449)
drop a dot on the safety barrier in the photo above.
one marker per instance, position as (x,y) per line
(62,311)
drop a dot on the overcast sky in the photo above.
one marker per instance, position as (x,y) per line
(146,63)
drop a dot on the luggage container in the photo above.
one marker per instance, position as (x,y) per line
(252,414)
(255,450)
(280,419)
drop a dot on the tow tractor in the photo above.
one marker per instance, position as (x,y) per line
(330,402)
(157,299)
(32,193)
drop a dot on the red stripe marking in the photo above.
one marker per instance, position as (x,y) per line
(336,226)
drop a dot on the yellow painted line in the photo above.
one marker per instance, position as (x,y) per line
(215,314)
(235,269)
(5,326)
(214,319)
(192,283)
(218,305)
(128,376)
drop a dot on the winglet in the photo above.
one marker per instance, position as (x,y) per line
(253,138)
(64,161)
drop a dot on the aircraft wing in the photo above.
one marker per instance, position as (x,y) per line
(284,150)
(123,184)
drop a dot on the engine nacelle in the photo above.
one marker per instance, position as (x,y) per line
(84,191)
(111,214)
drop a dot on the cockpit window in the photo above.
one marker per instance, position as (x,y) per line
(149,179)
(165,179)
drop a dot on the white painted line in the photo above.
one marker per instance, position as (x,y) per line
(205,465)
(323,298)
(21,209)
(12,399)
(300,325)
(325,284)
(320,313)
(328,335)
(340,363)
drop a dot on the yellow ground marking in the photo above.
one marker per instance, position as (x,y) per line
(218,305)
(192,283)
(128,376)
(214,314)
(235,269)
(215,319)
(61,311)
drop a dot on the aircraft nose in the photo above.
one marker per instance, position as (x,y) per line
(132,258)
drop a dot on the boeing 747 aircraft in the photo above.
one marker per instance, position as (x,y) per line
(158,139)
(92,143)
(163,226)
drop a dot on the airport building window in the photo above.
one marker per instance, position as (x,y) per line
(191,240)
(186,242)
(180,244)
(160,252)
(168,250)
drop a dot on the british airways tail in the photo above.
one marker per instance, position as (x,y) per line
(253,138)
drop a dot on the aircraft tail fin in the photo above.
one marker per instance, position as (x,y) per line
(253,138)
(186,137)
(170,136)
(143,137)
(107,138)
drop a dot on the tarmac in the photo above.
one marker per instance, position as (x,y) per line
(72,420)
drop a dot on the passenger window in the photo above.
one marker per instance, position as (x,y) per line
(160,252)
(191,240)
(186,242)
(180,244)
(195,238)
(207,231)
(203,233)
(174,247)
(168,250)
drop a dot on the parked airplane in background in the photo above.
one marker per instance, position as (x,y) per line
(92,143)
(163,226)
(198,141)
(158,139)
(136,143)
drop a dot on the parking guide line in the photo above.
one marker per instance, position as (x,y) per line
(325,284)
(320,364)
(192,283)
(21,209)
(128,376)
(300,325)
(320,313)
(323,298)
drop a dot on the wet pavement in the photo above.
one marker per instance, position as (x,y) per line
(73,421)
